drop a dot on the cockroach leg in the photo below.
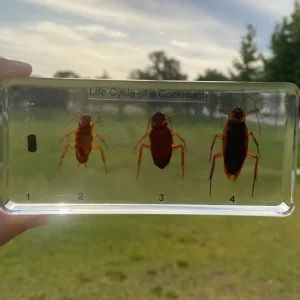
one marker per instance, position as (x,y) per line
(64,153)
(140,140)
(67,134)
(217,155)
(255,141)
(213,143)
(94,146)
(252,155)
(100,138)
(180,137)
(179,146)
(140,157)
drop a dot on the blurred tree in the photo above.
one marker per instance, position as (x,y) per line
(247,68)
(66,74)
(65,96)
(284,63)
(212,75)
(162,68)
(103,76)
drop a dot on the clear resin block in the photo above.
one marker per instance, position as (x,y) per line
(71,146)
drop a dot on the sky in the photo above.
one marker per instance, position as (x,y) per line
(90,36)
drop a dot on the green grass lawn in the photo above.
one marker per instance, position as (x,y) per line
(154,257)
(150,257)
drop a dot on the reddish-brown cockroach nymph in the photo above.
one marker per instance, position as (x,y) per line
(161,142)
(83,144)
(235,139)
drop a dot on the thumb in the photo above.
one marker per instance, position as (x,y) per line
(12,226)
(14,68)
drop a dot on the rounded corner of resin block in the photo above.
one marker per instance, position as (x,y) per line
(285,209)
(292,85)
(7,206)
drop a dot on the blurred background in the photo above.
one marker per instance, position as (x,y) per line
(155,257)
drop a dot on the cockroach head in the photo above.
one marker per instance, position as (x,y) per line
(237,115)
(85,120)
(159,120)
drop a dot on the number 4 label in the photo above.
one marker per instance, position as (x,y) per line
(232,199)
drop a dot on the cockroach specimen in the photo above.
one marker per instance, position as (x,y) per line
(235,140)
(161,142)
(83,144)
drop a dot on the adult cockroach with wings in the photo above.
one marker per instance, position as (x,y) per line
(235,139)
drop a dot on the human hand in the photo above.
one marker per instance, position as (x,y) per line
(11,225)
(14,68)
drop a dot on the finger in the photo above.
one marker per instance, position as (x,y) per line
(36,221)
(12,225)
(26,221)
(14,68)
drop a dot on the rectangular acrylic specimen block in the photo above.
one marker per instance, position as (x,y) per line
(36,113)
